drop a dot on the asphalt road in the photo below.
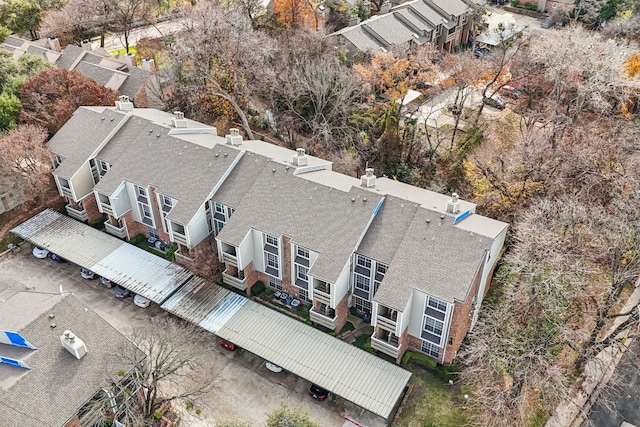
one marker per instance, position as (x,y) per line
(626,396)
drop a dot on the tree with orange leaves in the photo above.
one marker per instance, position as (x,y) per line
(295,13)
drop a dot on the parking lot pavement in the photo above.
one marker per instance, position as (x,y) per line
(245,389)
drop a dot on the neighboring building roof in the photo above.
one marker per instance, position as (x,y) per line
(151,276)
(500,27)
(81,136)
(324,219)
(69,56)
(453,7)
(58,384)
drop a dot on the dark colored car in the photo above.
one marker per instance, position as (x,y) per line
(121,292)
(227,345)
(494,101)
(318,393)
(56,257)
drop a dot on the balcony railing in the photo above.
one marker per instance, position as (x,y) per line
(106,208)
(66,191)
(323,319)
(234,281)
(80,215)
(385,347)
(321,296)
(229,259)
(114,230)
(179,238)
(386,323)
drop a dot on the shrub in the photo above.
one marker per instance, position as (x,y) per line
(157,415)
(169,254)
(531,6)
(137,239)
(268,292)
(257,288)
(353,311)
(98,225)
(309,322)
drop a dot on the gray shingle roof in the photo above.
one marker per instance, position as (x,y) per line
(69,55)
(185,171)
(135,80)
(244,174)
(320,218)
(453,7)
(57,384)
(100,74)
(433,257)
(81,136)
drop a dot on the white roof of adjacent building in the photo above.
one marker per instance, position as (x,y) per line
(136,269)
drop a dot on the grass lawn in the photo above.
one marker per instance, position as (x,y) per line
(123,51)
(9,239)
(430,402)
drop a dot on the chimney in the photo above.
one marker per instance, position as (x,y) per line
(234,137)
(54,44)
(178,120)
(86,44)
(385,7)
(73,344)
(149,64)
(300,159)
(123,103)
(453,205)
(130,60)
(353,20)
(369,180)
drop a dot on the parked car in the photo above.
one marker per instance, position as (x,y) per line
(56,257)
(141,301)
(273,367)
(494,101)
(40,253)
(510,91)
(318,393)
(227,345)
(106,282)
(546,23)
(121,292)
(87,274)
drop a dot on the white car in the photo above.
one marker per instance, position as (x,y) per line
(106,282)
(141,301)
(87,274)
(273,367)
(40,253)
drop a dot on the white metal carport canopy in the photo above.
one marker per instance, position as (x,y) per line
(351,373)
(136,269)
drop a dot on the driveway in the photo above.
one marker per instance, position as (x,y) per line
(245,389)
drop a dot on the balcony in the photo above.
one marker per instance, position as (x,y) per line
(229,259)
(385,347)
(66,191)
(179,238)
(80,215)
(386,323)
(106,208)
(326,318)
(115,230)
(234,281)
(321,296)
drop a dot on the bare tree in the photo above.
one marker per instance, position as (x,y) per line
(218,56)
(170,363)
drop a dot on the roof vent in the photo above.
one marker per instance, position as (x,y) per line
(123,103)
(178,120)
(73,344)
(453,205)
(234,137)
(369,179)
(300,159)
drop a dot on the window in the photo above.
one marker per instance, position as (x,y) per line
(219,207)
(303,294)
(362,282)
(142,192)
(219,225)
(430,349)
(275,283)
(103,166)
(302,273)
(362,305)
(303,252)
(57,160)
(381,269)
(167,201)
(229,212)
(434,326)
(437,304)
(271,240)
(272,260)
(153,232)
(146,211)
(363,261)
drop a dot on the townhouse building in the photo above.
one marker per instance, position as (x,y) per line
(416,262)
(446,23)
